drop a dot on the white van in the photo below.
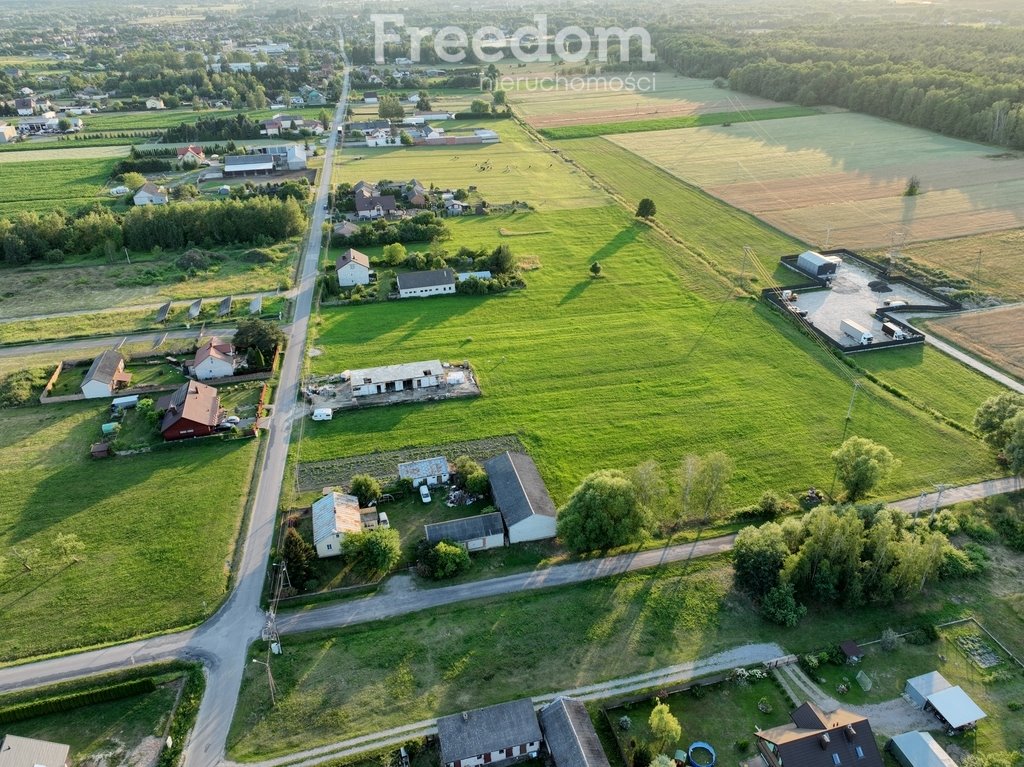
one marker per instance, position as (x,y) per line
(424,493)
(323,414)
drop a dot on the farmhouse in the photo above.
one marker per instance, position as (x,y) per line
(286,156)
(919,749)
(381,137)
(150,194)
(214,359)
(25,107)
(336,515)
(193,410)
(16,751)
(416,194)
(569,735)
(521,497)
(479,533)
(155,103)
(371,207)
(429,471)
(106,375)
(394,378)
(816,739)
(316,99)
(364,189)
(429,283)
(353,268)
(489,735)
(190,156)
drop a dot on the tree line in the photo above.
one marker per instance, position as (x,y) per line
(423,227)
(957,81)
(97,231)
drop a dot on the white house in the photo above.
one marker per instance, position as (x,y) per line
(432,116)
(380,138)
(150,194)
(7,133)
(353,268)
(155,103)
(214,359)
(429,471)
(370,97)
(336,515)
(395,378)
(105,376)
(430,283)
(521,497)
(489,735)
(479,533)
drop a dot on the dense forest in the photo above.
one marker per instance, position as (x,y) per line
(957,80)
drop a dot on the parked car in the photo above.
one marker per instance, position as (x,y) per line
(424,494)
(233,420)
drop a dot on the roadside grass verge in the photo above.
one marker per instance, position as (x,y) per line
(158,529)
(668,123)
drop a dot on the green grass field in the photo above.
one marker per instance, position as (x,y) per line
(58,184)
(64,152)
(336,685)
(152,561)
(151,278)
(169,118)
(591,130)
(646,362)
(519,169)
(715,232)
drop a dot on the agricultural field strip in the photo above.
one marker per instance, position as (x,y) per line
(804,174)
(996,335)
(69,154)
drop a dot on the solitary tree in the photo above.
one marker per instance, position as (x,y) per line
(390,108)
(664,726)
(861,464)
(365,488)
(705,485)
(499,98)
(595,269)
(913,187)
(601,513)
(646,208)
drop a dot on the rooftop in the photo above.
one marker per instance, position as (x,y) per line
(484,730)
(517,487)
(105,368)
(398,372)
(335,513)
(465,529)
(570,735)
(427,467)
(16,751)
(428,279)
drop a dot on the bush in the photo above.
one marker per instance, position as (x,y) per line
(477,483)
(771,506)
(780,606)
(890,640)
(74,700)
(374,552)
(444,560)
(193,261)
(184,717)
(22,387)
(625,723)
(365,488)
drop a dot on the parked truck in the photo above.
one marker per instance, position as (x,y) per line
(857,332)
(895,332)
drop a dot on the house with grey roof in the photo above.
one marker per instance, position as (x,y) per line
(106,375)
(478,533)
(428,471)
(429,283)
(521,497)
(16,751)
(569,735)
(150,194)
(490,735)
(394,378)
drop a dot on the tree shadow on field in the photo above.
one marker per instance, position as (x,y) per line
(621,240)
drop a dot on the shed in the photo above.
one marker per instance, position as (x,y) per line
(122,403)
(851,650)
(479,533)
(955,708)
(99,450)
(16,751)
(816,264)
(521,497)
(920,687)
(919,749)
(429,471)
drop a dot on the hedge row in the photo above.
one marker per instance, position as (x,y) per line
(184,716)
(31,709)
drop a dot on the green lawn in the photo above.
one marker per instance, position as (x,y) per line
(114,729)
(340,684)
(157,119)
(151,561)
(515,169)
(646,362)
(58,183)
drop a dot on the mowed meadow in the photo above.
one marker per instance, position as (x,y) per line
(158,531)
(654,360)
(842,177)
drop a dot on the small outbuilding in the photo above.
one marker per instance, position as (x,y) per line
(521,497)
(99,450)
(479,533)
(569,735)
(105,375)
(920,687)
(919,749)
(817,265)
(955,707)
(429,471)
(429,283)
(851,650)
(16,751)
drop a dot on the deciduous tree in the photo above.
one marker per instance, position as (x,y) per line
(861,464)
(664,726)
(364,487)
(601,513)
(758,556)
(646,208)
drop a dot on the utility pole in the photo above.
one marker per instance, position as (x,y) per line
(941,488)
(828,237)
(920,502)
(846,426)
(130,261)
(270,681)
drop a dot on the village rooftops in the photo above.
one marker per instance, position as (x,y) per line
(816,739)
(486,730)
(385,202)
